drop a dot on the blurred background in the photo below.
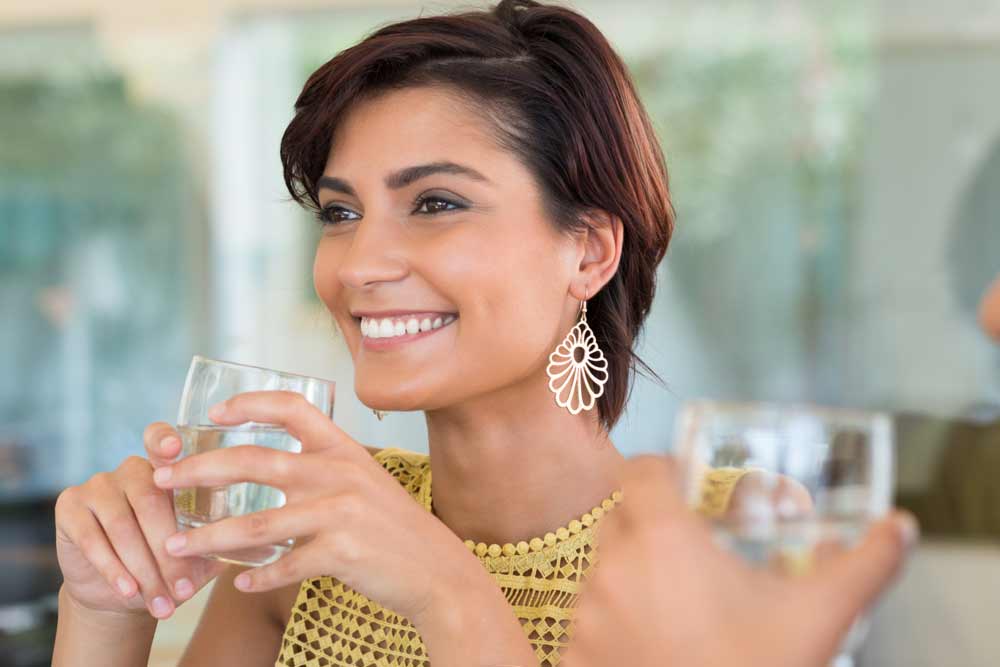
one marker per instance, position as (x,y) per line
(835,166)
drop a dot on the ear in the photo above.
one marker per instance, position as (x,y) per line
(600,252)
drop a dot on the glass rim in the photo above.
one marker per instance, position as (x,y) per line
(780,409)
(234,364)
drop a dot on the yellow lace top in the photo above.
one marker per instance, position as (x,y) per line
(332,626)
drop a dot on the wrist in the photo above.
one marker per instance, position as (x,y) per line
(469,622)
(454,595)
(88,637)
(115,620)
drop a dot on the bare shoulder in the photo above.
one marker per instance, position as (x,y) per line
(373,450)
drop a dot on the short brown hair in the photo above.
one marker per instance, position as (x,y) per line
(561,100)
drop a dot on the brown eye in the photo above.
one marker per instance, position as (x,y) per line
(335,215)
(435,205)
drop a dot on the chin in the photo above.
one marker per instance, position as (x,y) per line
(384,396)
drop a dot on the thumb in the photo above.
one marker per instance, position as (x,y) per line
(850,582)
(162,443)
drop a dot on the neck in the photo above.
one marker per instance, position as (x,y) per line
(512,465)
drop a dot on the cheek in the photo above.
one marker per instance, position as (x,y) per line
(325,280)
(514,303)
(495,275)
(531,279)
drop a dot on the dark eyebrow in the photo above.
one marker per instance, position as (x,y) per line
(403,177)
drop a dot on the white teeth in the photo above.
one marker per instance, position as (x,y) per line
(387,327)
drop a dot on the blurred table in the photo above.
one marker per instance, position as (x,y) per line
(173,635)
(943,610)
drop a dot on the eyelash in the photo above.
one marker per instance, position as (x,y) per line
(324,214)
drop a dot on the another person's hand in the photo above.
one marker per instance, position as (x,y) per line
(989,310)
(110,532)
(663,593)
(786,496)
(351,518)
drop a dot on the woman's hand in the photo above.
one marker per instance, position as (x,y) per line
(110,532)
(351,519)
(664,593)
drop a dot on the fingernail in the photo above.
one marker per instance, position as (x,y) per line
(124,586)
(908,528)
(184,588)
(169,443)
(176,542)
(162,475)
(161,607)
(216,411)
(242,582)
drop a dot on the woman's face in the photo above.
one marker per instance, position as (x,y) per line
(429,223)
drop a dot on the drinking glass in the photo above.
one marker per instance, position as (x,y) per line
(210,381)
(822,475)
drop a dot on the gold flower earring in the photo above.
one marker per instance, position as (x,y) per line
(577,368)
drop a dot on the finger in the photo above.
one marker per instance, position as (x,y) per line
(154,512)
(250,530)
(113,512)
(83,530)
(241,463)
(791,499)
(162,443)
(851,581)
(290,410)
(291,568)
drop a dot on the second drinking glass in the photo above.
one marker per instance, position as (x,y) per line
(808,476)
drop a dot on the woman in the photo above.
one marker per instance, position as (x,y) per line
(494,206)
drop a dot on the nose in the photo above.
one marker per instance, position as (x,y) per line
(374,255)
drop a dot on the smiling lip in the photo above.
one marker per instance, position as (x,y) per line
(395,341)
(379,314)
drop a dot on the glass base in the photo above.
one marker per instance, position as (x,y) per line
(251,556)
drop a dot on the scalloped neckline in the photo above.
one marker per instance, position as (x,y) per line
(551,539)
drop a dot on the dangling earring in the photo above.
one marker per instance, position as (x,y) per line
(379,413)
(581,379)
